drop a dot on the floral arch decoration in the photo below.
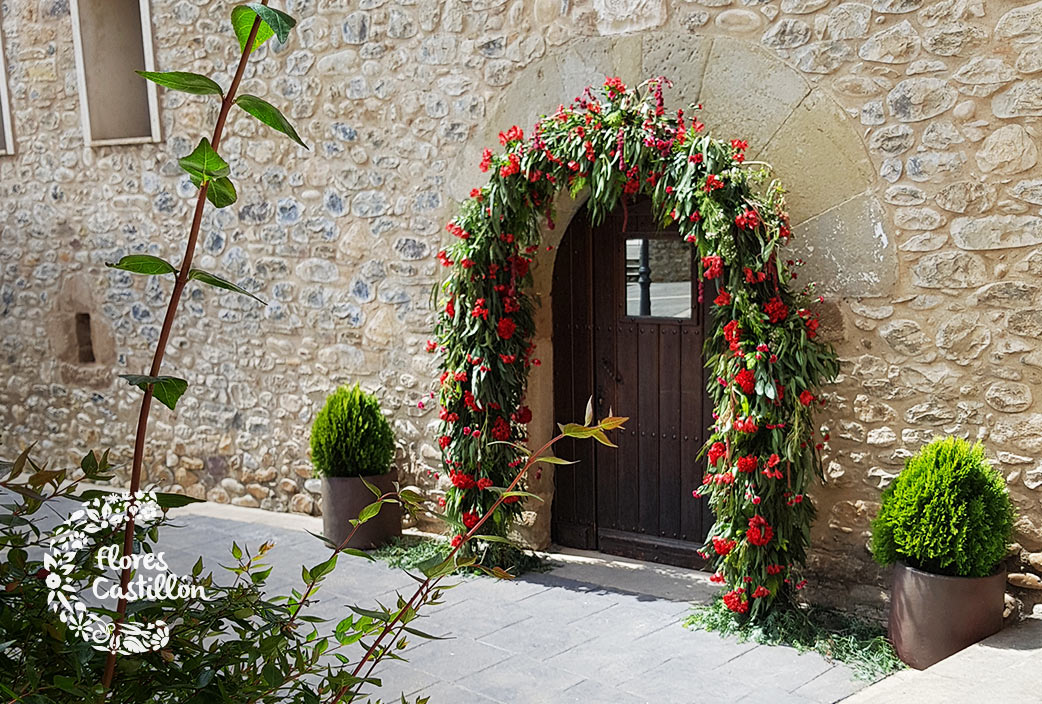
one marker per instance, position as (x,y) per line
(765,361)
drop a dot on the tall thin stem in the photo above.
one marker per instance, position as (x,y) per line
(164,336)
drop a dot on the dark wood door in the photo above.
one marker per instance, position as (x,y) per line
(628,330)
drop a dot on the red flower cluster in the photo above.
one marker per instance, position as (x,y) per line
(746,425)
(717,451)
(514,134)
(457,231)
(717,578)
(512,166)
(733,334)
(775,569)
(736,601)
(723,546)
(501,429)
(748,464)
(723,298)
(614,86)
(444,441)
(470,519)
(457,540)
(713,266)
(746,380)
(484,483)
(748,220)
(713,183)
(754,277)
(486,159)
(776,310)
(461,480)
(760,592)
(523,415)
(506,328)
(806,397)
(760,532)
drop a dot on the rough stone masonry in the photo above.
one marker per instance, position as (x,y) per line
(906,131)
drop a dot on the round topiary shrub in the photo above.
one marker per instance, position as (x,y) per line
(350,436)
(948,513)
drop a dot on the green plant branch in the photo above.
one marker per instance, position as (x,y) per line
(168,322)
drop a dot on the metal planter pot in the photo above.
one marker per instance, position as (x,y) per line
(343,498)
(933,616)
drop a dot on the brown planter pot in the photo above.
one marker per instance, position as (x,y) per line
(343,498)
(933,616)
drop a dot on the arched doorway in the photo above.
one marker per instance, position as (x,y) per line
(628,329)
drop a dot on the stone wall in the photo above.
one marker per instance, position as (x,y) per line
(906,130)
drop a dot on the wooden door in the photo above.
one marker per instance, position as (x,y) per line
(628,330)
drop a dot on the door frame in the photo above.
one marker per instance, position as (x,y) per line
(576,320)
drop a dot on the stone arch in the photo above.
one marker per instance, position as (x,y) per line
(747,93)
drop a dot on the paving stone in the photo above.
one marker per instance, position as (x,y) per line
(456,658)
(526,681)
(589,691)
(833,685)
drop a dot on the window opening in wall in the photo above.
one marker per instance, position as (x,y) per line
(6,134)
(113,38)
(659,278)
(84,343)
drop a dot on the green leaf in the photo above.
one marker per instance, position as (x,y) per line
(216,281)
(589,411)
(278,21)
(166,389)
(144,264)
(550,459)
(221,192)
(175,500)
(369,511)
(183,81)
(204,164)
(269,115)
(242,22)
(372,487)
(358,553)
(323,568)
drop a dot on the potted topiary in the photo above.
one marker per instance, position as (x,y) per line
(945,523)
(352,443)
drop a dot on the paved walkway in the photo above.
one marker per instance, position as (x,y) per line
(1004,668)
(593,630)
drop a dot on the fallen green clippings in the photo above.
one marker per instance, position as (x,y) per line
(837,635)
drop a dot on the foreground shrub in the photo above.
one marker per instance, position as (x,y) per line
(350,436)
(948,512)
(229,642)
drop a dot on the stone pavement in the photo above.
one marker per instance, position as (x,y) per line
(592,630)
(1003,669)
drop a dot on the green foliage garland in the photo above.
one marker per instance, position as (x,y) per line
(948,512)
(764,358)
(350,436)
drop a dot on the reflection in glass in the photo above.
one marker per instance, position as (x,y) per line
(658,278)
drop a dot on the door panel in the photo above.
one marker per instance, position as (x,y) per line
(634,500)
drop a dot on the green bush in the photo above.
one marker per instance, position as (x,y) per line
(350,436)
(948,512)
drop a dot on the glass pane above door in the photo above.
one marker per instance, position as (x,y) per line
(658,278)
